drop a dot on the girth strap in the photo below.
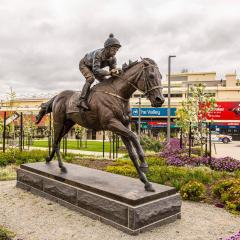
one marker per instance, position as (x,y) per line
(114,94)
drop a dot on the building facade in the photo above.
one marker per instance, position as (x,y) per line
(226,118)
(226,92)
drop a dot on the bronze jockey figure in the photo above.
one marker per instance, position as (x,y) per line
(92,63)
(91,68)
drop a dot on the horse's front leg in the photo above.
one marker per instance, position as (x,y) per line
(133,156)
(140,153)
(127,137)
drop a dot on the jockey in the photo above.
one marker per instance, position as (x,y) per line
(91,66)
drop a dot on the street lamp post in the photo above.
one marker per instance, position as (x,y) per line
(169,94)
(139,118)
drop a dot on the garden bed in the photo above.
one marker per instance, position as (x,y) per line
(197,182)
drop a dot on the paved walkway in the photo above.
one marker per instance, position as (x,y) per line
(35,218)
(231,149)
(75,151)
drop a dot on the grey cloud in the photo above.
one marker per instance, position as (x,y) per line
(41,43)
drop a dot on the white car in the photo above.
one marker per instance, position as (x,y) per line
(217,137)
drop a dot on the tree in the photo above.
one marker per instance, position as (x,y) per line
(80,132)
(194,111)
(29,128)
(1,127)
(9,103)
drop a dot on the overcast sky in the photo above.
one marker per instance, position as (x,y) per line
(41,42)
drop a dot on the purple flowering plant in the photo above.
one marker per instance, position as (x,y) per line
(234,237)
(177,156)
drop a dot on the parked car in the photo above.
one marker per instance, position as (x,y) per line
(217,137)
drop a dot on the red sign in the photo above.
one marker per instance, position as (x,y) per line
(225,111)
(159,123)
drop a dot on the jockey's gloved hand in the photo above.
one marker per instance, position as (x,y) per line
(115,71)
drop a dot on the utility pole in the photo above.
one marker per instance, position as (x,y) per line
(21,133)
(169,104)
(139,118)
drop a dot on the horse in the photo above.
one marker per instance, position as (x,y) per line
(110,110)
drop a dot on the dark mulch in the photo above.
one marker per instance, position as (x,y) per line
(99,164)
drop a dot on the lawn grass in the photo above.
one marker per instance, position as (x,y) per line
(94,146)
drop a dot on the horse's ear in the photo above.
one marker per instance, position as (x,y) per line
(146,63)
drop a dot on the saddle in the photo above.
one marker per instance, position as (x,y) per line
(72,103)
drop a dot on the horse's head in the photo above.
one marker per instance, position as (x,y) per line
(149,82)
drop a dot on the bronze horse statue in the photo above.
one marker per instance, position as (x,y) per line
(110,109)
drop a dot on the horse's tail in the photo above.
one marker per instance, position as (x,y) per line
(45,109)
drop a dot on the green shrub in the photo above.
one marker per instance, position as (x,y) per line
(126,170)
(151,144)
(237,173)
(8,173)
(6,234)
(174,176)
(193,190)
(7,157)
(14,156)
(3,162)
(228,191)
(156,161)
(196,150)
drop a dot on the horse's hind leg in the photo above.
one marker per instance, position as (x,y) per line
(50,157)
(61,130)
(60,162)
(68,125)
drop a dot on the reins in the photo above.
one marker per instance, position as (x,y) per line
(139,74)
(145,82)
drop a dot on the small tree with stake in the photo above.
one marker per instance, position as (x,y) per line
(80,132)
(29,128)
(194,111)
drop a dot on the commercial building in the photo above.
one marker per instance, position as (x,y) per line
(226,91)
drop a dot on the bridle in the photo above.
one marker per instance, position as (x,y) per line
(138,76)
(147,91)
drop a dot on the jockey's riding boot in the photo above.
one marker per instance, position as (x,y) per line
(40,115)
(83,98)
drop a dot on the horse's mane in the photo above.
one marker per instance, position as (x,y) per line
(128,65)
(125,67)
(131,63)
(150,61)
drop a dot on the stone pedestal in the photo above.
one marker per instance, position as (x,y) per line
(113,199)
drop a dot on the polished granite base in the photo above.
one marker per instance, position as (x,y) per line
(113,199)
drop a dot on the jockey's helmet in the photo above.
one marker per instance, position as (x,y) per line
(112,41)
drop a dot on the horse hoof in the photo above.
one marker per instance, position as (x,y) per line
(48,159)
(63,169)
(149,187)
(144,167)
